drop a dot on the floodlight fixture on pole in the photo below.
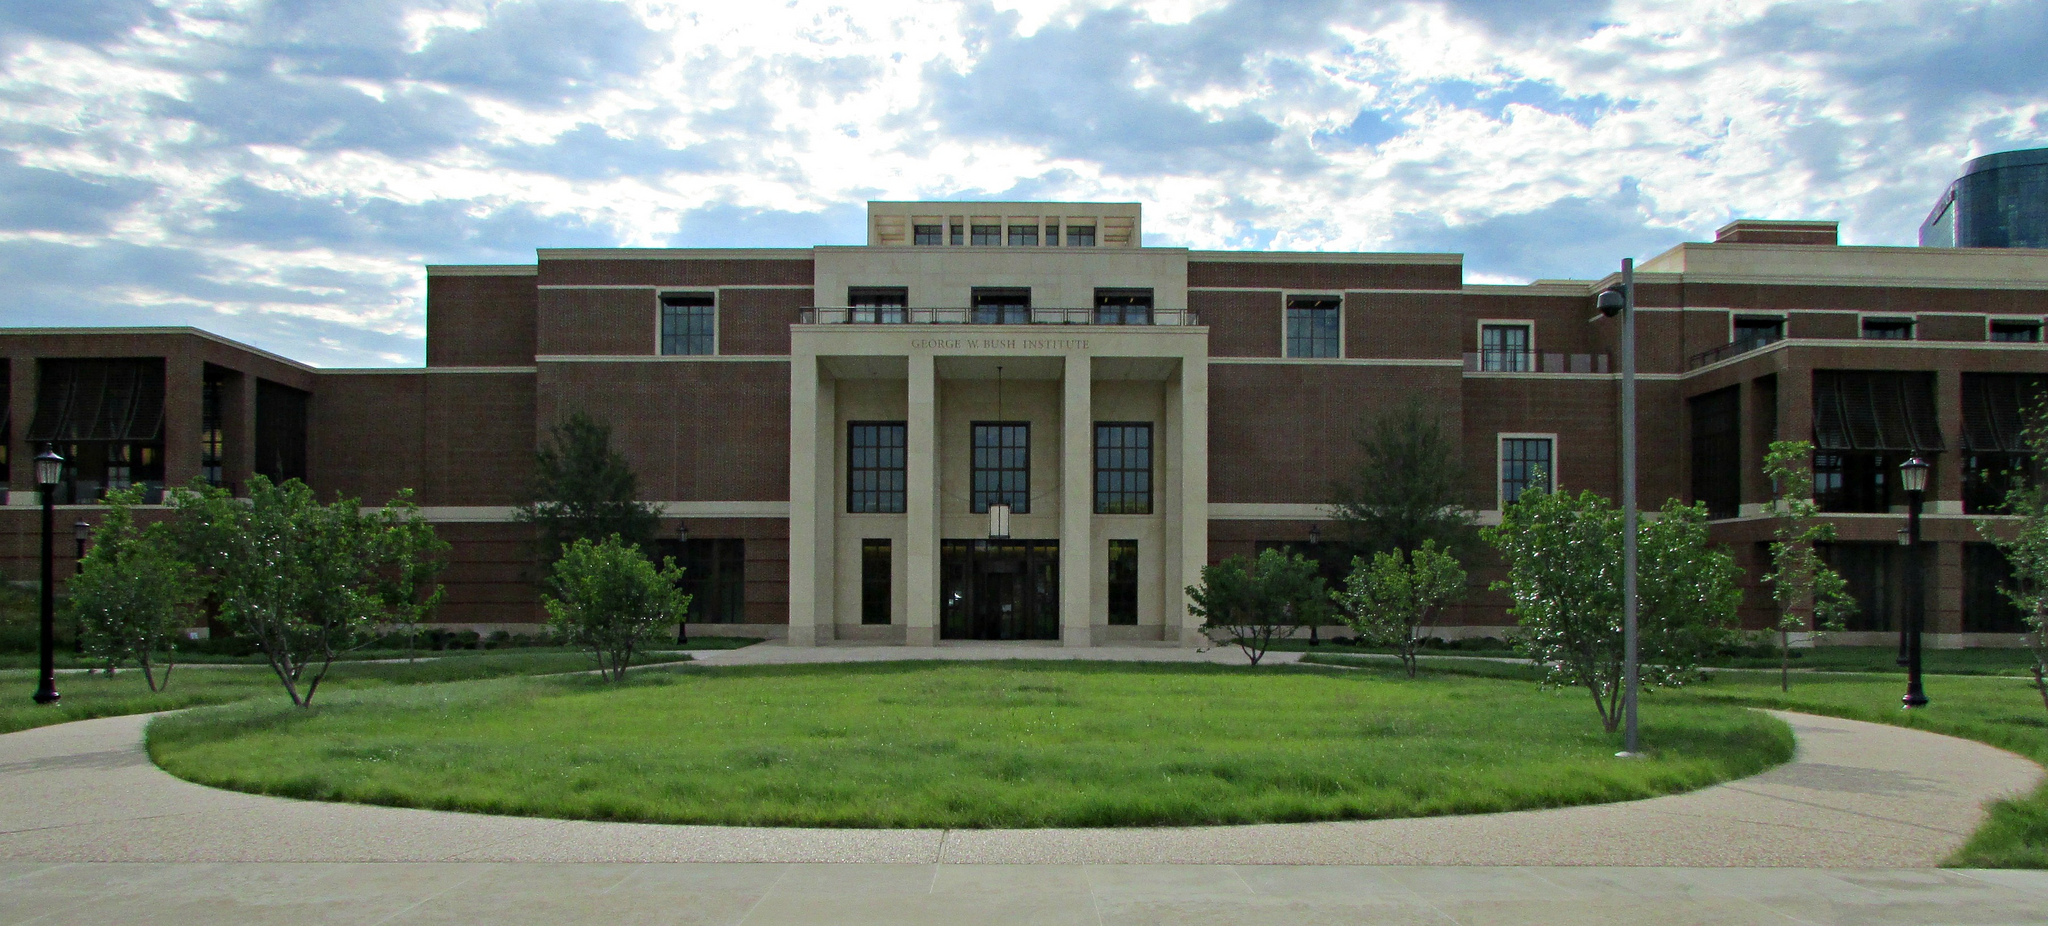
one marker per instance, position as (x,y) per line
(1621,301)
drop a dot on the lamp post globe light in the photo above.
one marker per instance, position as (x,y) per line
(49,469)
(1913,478)
(1622,302)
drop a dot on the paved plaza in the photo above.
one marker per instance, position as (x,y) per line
(1849,832)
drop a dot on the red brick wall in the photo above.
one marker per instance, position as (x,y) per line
(704,430)
(481,320)
(1286,432)
(1333,277)
(756,321)
(1240,324)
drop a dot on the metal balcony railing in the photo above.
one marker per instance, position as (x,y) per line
(993,315)
(1731,349)
(1528,361)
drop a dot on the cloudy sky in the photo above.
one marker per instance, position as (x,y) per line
(278,170)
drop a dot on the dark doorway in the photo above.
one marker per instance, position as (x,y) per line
(1000,590)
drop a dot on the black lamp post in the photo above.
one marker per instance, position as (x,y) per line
(683,547)
(49,469)
(1913,478)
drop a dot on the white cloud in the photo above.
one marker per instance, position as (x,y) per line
(279,169)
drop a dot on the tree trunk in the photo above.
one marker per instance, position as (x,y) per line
(1784,660)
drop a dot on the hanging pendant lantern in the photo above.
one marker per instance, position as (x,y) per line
(999,511)
(999,521)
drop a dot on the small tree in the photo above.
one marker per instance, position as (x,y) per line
(1405,490)
(133,595)
(585,490)
(607,597)
(2024,541)
(307,582)
(1811,596)
(1565,575)
(1254,602)
(1390,600)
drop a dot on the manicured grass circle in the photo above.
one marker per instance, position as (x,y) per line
(965,745)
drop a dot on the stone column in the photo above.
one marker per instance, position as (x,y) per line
(921,505)
(184,383)
(811,459)
(1192,446)
(1077,502)
(1945,490)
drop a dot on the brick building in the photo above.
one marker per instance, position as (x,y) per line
(831,425)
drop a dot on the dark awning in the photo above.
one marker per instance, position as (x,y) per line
(1875,411)
(99,400)
(1995,410)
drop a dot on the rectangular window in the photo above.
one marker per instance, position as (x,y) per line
(212,452)
(1002,306)
(688,321)
(1888,329)
(715,578)
(1986,609)
(988,235)
(957,233)
(1080,236)
(877,304)
(1123,583)
(1875,576)
(1052,235)
(1123,307)
(926,234)
(875,564)
(1123,467)
(1024,236)
(1717,451)
(1754,332)
(1855,481)
(874,467)
(1313,326)
(1524,465)
(2020,331)
(1505,349)
(1002,466)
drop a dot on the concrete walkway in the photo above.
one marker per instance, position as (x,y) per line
(999,895)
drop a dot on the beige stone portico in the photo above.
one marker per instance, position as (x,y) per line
(939,380)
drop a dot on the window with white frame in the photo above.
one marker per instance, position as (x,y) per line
(688,323)
(1526,462)
(1314,326)
(1507,347)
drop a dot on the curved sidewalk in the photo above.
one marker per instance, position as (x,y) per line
(1857,795)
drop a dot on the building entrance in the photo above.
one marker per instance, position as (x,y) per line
(1000,590)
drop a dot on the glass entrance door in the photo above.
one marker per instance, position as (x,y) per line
(1000,590)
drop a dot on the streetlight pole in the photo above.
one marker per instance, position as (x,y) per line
(49,468)
(1913,477)
(1624,304)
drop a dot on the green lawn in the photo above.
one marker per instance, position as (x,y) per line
(962,745)
(88,696)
